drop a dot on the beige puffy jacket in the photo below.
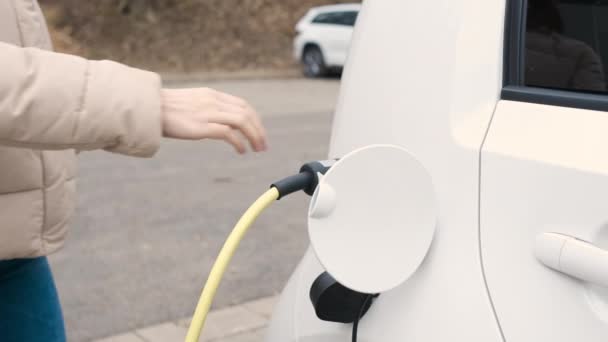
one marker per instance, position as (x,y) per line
(50,105)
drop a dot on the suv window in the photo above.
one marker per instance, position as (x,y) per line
(566,45)
(347,18)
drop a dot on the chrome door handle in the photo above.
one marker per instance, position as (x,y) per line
(573,256)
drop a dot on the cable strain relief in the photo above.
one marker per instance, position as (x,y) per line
(293,183)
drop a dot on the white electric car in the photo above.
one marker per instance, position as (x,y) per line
(323,38)
(504,104)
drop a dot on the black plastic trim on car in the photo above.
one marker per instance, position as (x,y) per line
(513,42)
(555,97)
(514,88)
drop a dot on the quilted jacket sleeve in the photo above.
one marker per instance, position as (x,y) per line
(53,101)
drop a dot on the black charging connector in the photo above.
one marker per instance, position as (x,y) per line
(316,168)
(334,302)
(293,183)
(307,180)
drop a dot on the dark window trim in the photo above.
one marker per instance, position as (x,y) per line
(513,44)
(514,88)
(553,97)
(335,23)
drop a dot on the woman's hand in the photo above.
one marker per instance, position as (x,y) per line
(203,113)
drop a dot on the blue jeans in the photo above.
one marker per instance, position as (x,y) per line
(29,305)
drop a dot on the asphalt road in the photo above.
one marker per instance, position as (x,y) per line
(147,230)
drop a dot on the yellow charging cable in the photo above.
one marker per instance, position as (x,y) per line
(219,267)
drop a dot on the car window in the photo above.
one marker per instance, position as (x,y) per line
(346,18)
(566,45)
(349,18)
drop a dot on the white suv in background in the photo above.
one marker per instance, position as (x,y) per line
(323,38)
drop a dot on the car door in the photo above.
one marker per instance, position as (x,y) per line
(336,29)
(346,22)
(544,169)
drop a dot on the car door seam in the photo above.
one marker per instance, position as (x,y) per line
(483,272)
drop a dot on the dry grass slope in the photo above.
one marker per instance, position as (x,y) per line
(180,35)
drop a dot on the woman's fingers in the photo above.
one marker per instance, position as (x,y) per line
(257,122)
(201,113)
(237,101)
(242,120)
(226,133)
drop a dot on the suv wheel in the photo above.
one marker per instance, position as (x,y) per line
(313,62)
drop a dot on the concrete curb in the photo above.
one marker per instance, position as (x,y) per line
(241,323)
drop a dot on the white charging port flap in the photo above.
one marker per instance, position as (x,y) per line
(372,218)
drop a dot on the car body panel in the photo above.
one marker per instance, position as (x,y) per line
(434,96)
(544,169)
